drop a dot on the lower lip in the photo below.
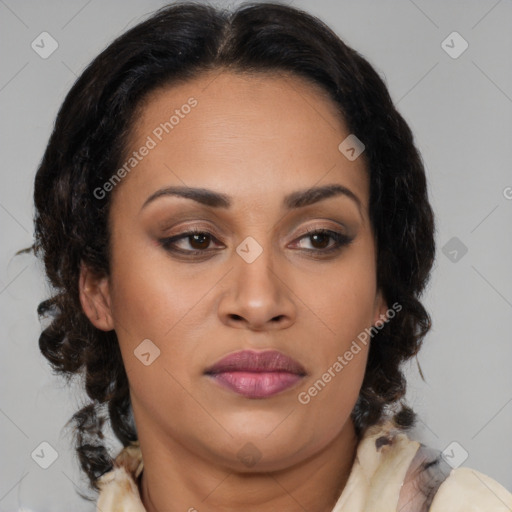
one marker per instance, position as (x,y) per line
(256,384)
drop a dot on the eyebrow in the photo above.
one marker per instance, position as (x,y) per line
(294,200)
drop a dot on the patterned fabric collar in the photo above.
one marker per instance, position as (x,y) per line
(385,458)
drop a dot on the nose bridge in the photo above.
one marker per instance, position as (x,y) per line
(256,295)
(255,274)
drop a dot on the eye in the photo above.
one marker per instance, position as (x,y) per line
(319,238)
(198,239)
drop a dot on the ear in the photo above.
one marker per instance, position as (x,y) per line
(380,308)
(95,298)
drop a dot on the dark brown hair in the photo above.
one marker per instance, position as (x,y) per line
(174,45)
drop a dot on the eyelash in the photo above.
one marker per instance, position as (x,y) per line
(340,241)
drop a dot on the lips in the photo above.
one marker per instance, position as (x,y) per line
(256,374)
(257,362)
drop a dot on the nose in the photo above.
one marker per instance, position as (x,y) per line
(259,296)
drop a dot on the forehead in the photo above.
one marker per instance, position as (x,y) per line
(251,136)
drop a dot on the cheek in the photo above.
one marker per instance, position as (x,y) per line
(146,301)
(142,305)
(345,307)
(147,293)
(154,299)
(152,312)
(343,298)
(330,396)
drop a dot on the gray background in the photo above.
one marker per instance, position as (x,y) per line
(460,111)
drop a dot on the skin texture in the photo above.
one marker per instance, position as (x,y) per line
(255,138)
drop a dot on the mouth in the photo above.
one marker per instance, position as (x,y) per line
(256,374)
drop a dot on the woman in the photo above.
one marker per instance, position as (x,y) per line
(236,223)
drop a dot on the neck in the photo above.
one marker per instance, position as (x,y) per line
(168,484)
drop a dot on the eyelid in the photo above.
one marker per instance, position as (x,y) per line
(321,225)
(215,233)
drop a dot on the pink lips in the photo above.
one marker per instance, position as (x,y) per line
(257,374)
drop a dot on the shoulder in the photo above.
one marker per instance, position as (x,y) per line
(467,490)
(432,484)
(118,488)
(392,472)
(383,458)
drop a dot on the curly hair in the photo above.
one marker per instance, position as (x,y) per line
(175,45)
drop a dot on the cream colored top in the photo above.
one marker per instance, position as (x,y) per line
(391,473)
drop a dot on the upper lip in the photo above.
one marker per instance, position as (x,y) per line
(251,361)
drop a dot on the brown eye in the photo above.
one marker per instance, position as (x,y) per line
(199,240)
(193,242)
(320,239)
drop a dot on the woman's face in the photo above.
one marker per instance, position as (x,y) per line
(255,278)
